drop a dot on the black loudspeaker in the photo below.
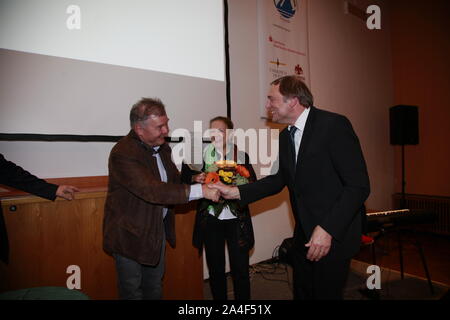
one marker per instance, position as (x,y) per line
(404,125)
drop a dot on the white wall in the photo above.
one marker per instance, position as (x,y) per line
(350,74)
(59,159)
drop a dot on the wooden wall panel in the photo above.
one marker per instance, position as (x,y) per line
(46,237)
(184,267)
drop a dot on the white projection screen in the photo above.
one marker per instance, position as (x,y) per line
(76,67)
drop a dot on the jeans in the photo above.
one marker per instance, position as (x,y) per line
(137,281)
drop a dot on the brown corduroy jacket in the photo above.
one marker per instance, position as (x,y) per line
(133,222)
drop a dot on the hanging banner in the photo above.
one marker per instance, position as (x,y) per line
(283,42)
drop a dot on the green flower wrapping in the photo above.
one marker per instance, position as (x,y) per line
(227,176)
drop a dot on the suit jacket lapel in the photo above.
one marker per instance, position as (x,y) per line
(287,141)
(306,137)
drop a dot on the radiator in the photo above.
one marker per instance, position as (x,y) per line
(439,205)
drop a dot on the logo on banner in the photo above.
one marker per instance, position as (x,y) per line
(286,8)
(278,63)
(298,70)
(278,71)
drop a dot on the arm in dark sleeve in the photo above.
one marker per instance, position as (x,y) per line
(14,176)
(349,163)
(187,173)
(250,169)
(265,187)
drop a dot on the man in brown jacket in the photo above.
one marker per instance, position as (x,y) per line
(144,184)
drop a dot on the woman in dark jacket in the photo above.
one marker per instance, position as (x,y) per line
(213,229)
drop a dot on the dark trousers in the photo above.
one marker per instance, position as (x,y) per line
(217,232)
(137,281)
(321,280)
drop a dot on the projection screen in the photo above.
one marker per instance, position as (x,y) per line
(76,67)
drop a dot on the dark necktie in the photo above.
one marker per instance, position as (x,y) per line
(292,131)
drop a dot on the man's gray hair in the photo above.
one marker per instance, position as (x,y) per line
(145,108)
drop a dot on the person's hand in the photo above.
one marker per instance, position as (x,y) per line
(199,178)
(319,244)
(227,192)
(211,194)
(66,192)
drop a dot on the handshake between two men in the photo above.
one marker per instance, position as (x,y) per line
(213,191)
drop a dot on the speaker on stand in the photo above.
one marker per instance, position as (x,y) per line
(404,130)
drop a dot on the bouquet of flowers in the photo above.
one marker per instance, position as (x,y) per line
(229,173)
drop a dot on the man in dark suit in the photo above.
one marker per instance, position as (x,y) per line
(322,165)
(14,176)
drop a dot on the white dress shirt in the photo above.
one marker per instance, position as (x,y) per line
(300,124)
(196,189)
